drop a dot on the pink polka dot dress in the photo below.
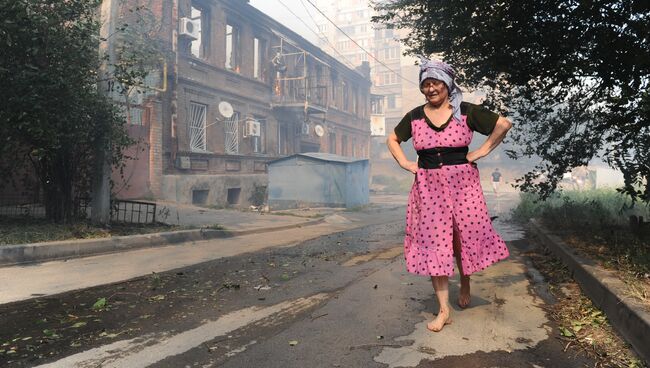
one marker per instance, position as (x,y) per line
(448,199)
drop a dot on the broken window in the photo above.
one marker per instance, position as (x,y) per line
(198,47)
(259,52)
(197,120)
(233,61)
(232,134)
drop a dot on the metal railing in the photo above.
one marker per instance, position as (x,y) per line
(134,212)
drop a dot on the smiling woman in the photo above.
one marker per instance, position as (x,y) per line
(446,204)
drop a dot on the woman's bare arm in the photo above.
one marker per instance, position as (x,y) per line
(393,144)
(492,141)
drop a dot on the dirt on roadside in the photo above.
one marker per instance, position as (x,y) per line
(583,328)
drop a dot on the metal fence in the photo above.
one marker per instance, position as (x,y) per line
(133,212)
(32,206)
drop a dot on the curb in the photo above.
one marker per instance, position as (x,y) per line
(65,249)
(604,289)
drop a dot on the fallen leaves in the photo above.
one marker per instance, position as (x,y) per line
(99,304)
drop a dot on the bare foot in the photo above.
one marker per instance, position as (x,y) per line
(464,297)
(443,318)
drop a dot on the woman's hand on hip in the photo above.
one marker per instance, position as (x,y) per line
(473,156)
(410,166)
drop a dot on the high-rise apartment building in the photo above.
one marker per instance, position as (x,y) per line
(394,76)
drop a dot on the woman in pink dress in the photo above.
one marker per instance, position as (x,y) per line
(447,216)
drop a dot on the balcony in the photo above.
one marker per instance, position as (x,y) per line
(301,93)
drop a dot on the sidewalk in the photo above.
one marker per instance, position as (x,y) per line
(210,224)
(22,282)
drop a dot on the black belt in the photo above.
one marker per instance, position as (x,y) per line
(434,158)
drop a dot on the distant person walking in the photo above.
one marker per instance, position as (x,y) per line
(496,180)
(446,214)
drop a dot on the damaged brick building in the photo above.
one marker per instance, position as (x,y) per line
(239,90)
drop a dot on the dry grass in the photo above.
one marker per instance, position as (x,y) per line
(600,249)
(27,230)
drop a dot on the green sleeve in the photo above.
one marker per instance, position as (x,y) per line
(479,119)
(403,128)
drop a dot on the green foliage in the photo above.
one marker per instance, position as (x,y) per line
(580,209)
(573,75)
(599,218)
(54,118)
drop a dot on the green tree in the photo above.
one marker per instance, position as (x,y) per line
(573,74)
(52,114)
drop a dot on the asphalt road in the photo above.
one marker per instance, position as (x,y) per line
(339,300)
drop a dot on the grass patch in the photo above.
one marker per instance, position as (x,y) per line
(28,230)
(596,224)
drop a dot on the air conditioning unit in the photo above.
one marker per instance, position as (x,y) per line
(189,28)
(252,128)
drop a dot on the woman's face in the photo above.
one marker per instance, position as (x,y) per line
(435,91)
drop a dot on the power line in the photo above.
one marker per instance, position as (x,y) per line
(350,64)
(358,45)
(324,36)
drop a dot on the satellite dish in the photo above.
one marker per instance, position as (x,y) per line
(225,109)
(318,129)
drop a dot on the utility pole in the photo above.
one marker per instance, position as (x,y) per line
(101,191)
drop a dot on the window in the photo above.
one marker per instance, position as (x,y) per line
(344,145)
(197,121)
(231,130)
(259,52)
(377,105)
(199,47)
(233,195)
(332,142)
(393,102)
(386,78)
(200,196)
(259,142)
(335,87)
(283,137)
(346,97)
(233,57)
(354,147)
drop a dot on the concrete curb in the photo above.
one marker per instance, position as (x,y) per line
(605,290)
(65,249)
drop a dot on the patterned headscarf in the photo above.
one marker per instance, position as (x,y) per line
(443,72)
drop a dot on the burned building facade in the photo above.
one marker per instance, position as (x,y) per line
(239,90)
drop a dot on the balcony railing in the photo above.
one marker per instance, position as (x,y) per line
(301,92)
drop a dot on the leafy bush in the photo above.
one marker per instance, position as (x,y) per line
(595,222)
(591,208)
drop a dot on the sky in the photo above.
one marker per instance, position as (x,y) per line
(279,12)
